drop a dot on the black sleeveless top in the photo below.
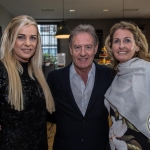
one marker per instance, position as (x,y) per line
(26,129)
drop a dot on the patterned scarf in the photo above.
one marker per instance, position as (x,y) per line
(130,93)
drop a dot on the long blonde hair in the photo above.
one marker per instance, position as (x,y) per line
(13,67)
(139,38)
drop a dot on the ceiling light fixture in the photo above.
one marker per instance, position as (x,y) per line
(105,10)
(63,31)
(72,10)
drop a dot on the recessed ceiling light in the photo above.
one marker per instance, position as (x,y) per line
(105,10)
(72,10)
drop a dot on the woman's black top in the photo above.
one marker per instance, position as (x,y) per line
(26,129)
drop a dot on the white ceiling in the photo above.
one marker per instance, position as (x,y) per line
(85,9)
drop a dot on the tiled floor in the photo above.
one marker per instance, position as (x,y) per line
(51,129)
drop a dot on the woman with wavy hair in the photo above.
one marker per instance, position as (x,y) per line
(25,96)
(128,98)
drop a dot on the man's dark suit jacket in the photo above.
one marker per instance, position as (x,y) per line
(73,130)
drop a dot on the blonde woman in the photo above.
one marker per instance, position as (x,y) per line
(128,98)
(25,96)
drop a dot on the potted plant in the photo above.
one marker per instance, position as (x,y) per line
(46,59)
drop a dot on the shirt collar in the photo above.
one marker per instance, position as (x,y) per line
(73,71)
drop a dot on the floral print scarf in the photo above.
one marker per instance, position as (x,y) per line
(129,94)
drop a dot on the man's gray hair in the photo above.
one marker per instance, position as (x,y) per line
(81,29)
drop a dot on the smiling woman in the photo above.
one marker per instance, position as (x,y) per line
(25,44)
(25,96)
(128,98)
(123,45)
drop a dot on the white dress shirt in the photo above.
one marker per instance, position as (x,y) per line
(82,92)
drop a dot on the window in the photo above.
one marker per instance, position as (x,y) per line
(48,41)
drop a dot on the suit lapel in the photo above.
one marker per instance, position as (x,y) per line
(65,79)
(98,84)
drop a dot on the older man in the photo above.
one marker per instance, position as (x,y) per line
(78,90)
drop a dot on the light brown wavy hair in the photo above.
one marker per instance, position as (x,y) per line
(13,67)
(139,38)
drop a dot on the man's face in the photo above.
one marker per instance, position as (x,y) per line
(83,51)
